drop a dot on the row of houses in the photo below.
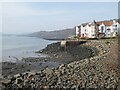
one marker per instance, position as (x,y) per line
(107,28)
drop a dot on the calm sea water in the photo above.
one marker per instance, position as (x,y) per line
(13,47)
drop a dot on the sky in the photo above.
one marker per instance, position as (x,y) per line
(28,17)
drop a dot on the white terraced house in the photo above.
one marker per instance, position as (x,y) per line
(107,28)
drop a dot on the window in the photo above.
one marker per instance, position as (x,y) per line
(114,27)
(102,28)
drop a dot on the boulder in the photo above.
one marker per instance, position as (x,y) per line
(19,80)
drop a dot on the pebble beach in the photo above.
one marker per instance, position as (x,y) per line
(93,64)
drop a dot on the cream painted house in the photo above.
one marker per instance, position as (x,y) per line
(108,28)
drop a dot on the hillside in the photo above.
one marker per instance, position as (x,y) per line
(59,34)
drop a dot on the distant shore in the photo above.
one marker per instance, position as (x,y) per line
(54,39)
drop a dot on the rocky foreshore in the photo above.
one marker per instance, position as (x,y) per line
(90,72)
(55,55)
(74,52)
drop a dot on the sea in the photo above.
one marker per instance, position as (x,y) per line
(13,47)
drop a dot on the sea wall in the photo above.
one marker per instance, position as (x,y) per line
(76,49)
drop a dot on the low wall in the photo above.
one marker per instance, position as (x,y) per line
(71,43)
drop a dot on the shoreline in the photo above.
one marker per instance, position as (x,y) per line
(88,69)
(55,57)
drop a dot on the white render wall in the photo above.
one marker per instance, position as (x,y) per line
(104,28)
(77,30)
(82,30)
(92,32)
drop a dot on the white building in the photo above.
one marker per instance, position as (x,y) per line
(77,31)
(108,28)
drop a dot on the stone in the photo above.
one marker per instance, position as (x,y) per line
(1,77)
(30,76)
(48,71)
(19,80)
(61,66)
(53,81)
(38,73)
(5,81)
(46,87)
(25,82)
(17,75)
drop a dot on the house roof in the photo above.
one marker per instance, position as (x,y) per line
(79,26)
(84,24)
(106,23)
